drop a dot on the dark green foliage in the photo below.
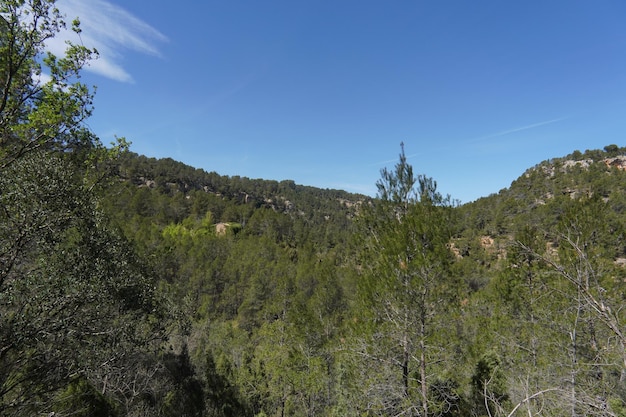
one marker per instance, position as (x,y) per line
(489,388)
(404,287)
(283,320)
(81,321)
(81,399)
(448,399)
(72,293)
(186,394)
(131,286)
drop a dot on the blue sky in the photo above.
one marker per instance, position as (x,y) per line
(323,92)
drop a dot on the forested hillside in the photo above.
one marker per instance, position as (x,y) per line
(319,302)
(131,286)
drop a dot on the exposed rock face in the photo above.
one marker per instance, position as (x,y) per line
(145,182)
(618,162)
(220,229)
(583,163)
(486,241)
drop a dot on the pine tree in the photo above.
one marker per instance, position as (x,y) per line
(404,289)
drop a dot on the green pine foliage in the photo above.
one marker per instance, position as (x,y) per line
(294,297)
(299,308)
(134,286)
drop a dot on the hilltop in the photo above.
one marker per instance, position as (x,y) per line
(281,304)
(535,197)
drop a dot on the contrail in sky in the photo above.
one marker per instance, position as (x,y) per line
(519,129)
(493,135)
(394,160)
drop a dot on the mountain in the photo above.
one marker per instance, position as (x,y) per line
(535,198)
(169,177)
(289,299)
(150,194)
(165,191)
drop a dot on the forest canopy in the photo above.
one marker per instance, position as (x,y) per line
(135,286)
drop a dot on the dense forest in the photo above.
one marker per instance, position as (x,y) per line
(134,286)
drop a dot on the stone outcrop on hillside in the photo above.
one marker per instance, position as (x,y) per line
(618,162)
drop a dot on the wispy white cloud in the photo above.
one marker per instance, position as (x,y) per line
(110,29)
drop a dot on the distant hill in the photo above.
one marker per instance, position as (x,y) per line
(169,176)
(531,197)
(541,194)
(266,280)
(154,193)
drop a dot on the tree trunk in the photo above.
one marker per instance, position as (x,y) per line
(422,344)
(405,365)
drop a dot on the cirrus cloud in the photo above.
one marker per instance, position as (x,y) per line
(112,30)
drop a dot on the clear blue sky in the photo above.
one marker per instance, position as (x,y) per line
(322,92)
